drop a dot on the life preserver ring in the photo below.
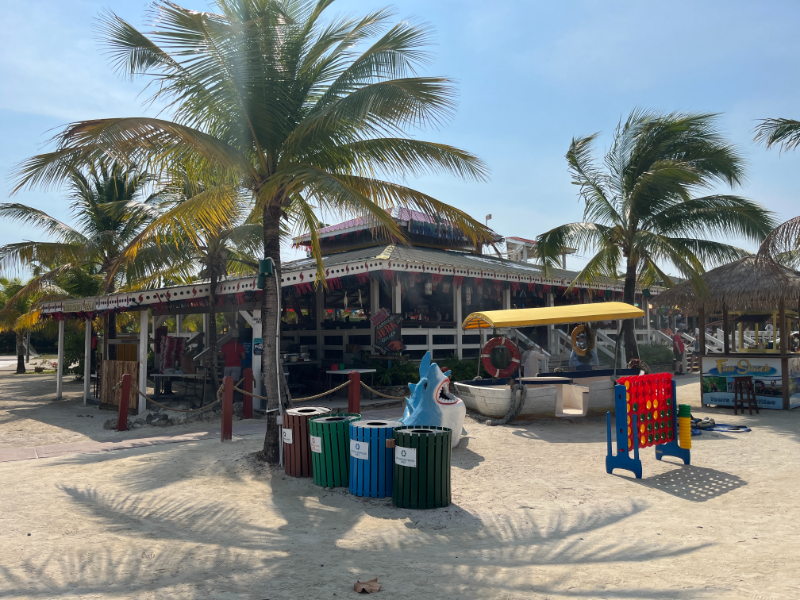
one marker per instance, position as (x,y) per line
(582,329)
(486,357)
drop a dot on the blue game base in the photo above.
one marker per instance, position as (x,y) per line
(623,460)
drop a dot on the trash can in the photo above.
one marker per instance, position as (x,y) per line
(421,467)
(296,443)
(330,448)
(371,462)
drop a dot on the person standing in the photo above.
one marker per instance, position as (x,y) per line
(677,350)
(530,362)
(234,353)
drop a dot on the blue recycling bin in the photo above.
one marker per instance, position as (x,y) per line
(371,462)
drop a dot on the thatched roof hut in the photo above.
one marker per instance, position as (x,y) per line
(740,285)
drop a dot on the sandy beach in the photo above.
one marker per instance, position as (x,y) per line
(534,515)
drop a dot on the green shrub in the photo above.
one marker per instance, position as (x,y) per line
(656,354)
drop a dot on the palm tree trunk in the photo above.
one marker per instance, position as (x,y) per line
(212,331)
(629,295)
(20,353)
(270,372)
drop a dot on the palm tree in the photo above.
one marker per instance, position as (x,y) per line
(305,114)
(782,245)
(14,305)
(641,210)
(181,238)
(779,132)
(105,202)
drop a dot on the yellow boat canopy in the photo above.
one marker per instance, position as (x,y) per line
(552,315)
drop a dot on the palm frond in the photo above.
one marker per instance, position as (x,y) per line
(778,132)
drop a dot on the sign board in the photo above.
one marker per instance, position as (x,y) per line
(316,444)
(379,317)
(258,346)
(287,436)
(405,457)
(359,450)
(387,335)
(719,371)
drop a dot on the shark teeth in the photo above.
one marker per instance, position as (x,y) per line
(443,395)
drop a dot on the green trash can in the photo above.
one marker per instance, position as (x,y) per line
(330,449)
(421,467)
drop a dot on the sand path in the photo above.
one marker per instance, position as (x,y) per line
(534,515)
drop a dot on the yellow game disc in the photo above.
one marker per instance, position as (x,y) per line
(649,405)
(644,440)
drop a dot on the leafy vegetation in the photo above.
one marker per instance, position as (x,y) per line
(656,354)
(641,209)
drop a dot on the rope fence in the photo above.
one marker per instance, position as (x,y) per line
(377,393)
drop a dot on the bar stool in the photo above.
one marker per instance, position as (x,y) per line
(744,392)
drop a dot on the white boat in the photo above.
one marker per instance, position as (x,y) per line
(547,397)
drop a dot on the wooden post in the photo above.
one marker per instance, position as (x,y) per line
(60,365)
(124,401)
(784,351)
(227,410)
(87,362)
(725,328)
(247,399)
(354,393)
(701,316)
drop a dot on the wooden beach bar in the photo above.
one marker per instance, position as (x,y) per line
(756,306)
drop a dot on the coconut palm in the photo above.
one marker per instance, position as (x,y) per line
(779,132)
(12,306)
(180,240)
(641,211)
(782,245)
(304,112)
(106,203)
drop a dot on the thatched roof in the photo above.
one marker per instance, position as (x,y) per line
(740,285)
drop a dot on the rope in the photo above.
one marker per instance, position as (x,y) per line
(346,383)
(513,410)
(364,385)
(238,389)
(180,410)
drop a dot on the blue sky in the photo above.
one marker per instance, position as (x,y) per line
(531,75)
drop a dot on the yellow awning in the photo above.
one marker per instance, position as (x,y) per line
(551,315)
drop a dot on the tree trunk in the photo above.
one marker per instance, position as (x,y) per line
(212,333)
(628,325)
(20,354)
(271,372)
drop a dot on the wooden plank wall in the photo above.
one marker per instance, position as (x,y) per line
(112,372)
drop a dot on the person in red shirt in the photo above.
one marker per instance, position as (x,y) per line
(678,349)
(233,352)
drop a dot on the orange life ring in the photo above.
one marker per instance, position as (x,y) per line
(486,357)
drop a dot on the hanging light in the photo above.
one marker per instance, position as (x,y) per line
(468,291)
(345,300)
(428,288)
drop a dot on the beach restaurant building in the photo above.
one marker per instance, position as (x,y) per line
(429,283)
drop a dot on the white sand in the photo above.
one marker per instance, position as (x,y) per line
(534,515)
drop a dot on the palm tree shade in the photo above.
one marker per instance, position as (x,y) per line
(640,208)
(303,112)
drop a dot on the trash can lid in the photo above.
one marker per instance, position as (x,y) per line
(377,424)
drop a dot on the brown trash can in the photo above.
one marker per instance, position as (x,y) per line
(296,443)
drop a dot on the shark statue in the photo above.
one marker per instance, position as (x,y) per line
(431,402)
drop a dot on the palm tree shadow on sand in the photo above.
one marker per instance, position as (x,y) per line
(318,537)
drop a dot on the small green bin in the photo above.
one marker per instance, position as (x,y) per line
(330,449)
(422,467)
